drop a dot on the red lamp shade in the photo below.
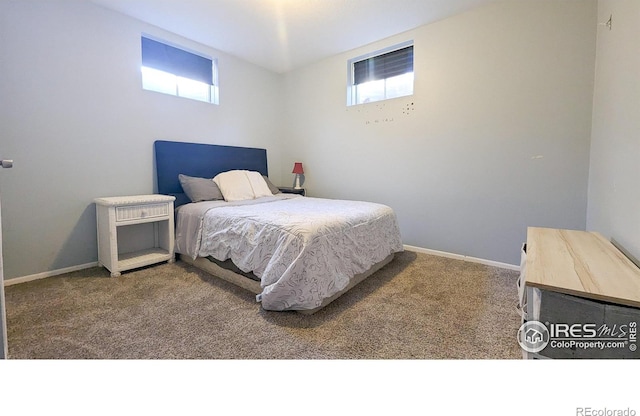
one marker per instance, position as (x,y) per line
(297,168)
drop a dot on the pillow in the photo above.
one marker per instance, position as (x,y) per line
(259,185)
(234,185)
(199,189)
(238,185)
(274,189)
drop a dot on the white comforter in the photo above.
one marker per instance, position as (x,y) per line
(303,249)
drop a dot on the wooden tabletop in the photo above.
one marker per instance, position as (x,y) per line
(581,263)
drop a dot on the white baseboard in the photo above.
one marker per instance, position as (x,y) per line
(51,273)
(461,257)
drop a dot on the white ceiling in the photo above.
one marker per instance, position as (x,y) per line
(282,35)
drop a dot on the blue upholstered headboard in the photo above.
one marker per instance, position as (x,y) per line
(201,160)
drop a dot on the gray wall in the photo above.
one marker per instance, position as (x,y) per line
(494,139)
(78,124)
(614,176)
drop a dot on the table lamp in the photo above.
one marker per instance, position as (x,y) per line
(297,169)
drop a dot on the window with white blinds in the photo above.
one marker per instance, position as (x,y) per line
(381,75)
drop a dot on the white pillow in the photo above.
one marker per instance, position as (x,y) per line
(259,185)
(234,185)
(238,185)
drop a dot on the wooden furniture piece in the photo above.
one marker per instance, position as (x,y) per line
(290,190)
(134,231)
(573,278)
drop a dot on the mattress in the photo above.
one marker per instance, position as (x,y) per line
(302,249)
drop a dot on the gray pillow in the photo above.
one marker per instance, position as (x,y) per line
(274,189)
(200,189)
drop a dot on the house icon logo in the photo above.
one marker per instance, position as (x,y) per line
(533,336)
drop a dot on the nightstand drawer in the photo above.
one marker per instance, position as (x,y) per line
(136,212)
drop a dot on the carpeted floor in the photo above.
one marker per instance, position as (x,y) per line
(417,307)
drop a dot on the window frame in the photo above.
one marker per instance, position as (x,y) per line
(352,90)
(178,81)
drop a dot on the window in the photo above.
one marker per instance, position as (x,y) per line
(381,75)
(171,70)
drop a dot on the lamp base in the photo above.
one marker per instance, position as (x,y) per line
(297,184)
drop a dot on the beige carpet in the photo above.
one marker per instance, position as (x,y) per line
(417,307)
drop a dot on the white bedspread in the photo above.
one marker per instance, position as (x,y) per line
(303,249)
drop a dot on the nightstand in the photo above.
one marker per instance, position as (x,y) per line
(134,231)
(290,190)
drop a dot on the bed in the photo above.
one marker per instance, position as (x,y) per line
(293,252)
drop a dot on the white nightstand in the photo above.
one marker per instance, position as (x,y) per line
(134,231)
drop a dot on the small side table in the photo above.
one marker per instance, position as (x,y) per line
(134,231)
(290,190)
